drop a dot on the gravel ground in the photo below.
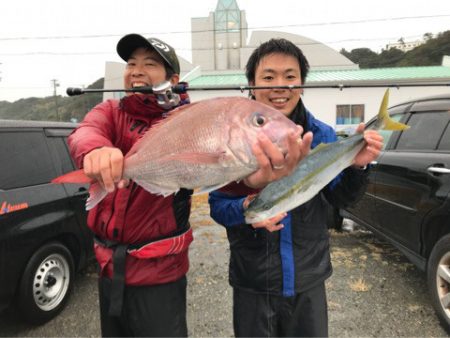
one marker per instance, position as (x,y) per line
(374,291)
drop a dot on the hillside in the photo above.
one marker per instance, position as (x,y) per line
(52,108)
(428,54)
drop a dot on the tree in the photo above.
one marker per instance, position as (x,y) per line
(427,36)
(364,57)
(428,54)
(390,57)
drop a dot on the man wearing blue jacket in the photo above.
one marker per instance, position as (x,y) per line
(278,267)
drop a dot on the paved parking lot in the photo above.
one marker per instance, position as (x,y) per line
(374,291)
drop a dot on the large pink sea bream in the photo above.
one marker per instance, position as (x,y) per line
(202,145)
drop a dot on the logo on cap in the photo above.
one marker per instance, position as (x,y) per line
(160,45)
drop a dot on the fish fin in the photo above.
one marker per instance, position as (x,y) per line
(76,176)
(156,189)
(384,121)
(96,194)
(204,158)
(209,188)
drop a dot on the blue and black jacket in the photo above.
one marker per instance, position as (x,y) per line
(297,257)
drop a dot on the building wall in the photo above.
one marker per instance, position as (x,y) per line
(322,102)
(217,50)
(203,42)
(113,79)
(325,109)
(227,51)
(320,56)
(244,30)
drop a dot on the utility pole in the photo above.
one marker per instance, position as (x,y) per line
(55,84)
(84,101)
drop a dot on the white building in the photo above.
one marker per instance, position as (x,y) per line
(220,51)
(405,46)
(219,42)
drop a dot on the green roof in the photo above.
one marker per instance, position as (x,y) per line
(374,74)
(338,76)
(219,80)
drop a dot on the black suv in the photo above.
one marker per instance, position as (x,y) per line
(408,196)
(43,234)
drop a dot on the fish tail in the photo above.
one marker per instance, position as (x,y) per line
(76,176)
(96,192)
(384,121)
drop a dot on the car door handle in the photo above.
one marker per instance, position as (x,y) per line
(438,170)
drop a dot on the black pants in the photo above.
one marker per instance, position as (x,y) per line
(259,315)
(148,311)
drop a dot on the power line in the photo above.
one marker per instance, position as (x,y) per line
(301,44)
(362,21)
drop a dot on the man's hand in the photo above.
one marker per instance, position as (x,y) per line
(372,149)
(271,224)
(105,165)
(273,165)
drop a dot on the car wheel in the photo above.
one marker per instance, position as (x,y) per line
(334,219)
(46,283)
(438,275)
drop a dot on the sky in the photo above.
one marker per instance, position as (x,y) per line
(70,41)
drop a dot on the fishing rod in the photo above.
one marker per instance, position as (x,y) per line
(183,88)
(168,96)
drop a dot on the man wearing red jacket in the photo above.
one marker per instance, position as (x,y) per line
(142,292)
(129,219)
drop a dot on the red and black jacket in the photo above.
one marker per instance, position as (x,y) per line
(133,216)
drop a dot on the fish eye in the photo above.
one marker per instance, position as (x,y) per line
(259,120)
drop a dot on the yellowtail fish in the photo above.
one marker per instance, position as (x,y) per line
(314,172)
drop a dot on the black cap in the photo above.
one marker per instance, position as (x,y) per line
(129,43)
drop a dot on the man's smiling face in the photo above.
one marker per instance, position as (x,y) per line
(278,70)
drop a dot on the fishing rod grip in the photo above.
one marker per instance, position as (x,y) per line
(180,88)
(72,91)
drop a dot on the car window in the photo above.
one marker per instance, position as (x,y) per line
(62,159)
(388,133)
(28,160)
(425,131)
(444,143)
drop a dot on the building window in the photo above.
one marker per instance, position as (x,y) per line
(227,17)
(349,114)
